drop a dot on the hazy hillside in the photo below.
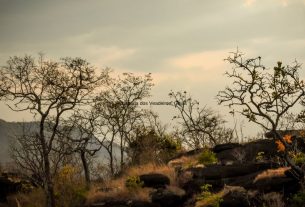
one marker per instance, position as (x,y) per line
(9,130)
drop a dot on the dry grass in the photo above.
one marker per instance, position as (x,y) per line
(280,172)
(216,198)
(36,198)
(116,188)
(273,199)
(153,168)
(212,200)
(184,161)
(122,193)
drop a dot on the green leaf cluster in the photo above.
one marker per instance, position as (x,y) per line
(207,157)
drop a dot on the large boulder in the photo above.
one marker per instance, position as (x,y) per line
(221,147)
(166,198)
(11,183)
(277,184)
(267,146)
(219,171)
(194,186)
(263,181)
(114,202)
(154,180)
(8,186)
(247,152)
(235,196)
(245,181)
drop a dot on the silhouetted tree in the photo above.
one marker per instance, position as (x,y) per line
(264,96)
(198,126)
(79,133)
(118,107)
(48,89)
(26,151)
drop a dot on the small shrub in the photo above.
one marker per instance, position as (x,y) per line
(70,190)
(207,198)
(117,188)
(207,157)
(299,158)
(298,199)
(260,156)
(205,191)
(133,183)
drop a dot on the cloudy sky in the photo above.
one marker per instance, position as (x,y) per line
(181,42)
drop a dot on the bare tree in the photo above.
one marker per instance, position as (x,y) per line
(199,126)
(119,110)
(152,122)
(262,95)
(79,133)
(47,89)
(108,129)
(26,151)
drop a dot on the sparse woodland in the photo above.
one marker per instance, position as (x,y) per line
(79,110)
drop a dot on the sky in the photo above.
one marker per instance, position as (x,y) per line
(183,43)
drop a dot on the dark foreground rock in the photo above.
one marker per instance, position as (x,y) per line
(7,187)
(277,184)
(240,153)
(12,182)
(124,203)
(166,198)
(235,197)
(154,180)
(246,181)
(218,171)
(223,147)
(247,152)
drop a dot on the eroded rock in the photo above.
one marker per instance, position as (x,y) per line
(154,180)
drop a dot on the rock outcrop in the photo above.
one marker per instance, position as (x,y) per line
(154,180)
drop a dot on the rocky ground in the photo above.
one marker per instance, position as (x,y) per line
(244,175)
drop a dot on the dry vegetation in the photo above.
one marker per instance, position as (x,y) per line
(184,161)
(34,199)
(280,172)
(273,199)
(116,188)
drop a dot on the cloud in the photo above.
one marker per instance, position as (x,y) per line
(101,55)
(249,2)
(109,55)
(204,66)
(283,3)
(203,61)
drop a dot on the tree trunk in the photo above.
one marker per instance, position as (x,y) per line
(48,182)
(86,169)
(109,150)
(111,165)
(122,153)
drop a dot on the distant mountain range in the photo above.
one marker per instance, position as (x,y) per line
(9,131)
